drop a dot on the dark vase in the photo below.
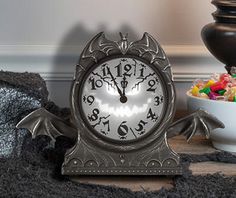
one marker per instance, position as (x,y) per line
(220,37)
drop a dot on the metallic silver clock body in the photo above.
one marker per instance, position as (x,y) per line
(122,101)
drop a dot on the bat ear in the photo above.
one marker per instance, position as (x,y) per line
(123,37)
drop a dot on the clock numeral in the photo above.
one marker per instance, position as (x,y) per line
(119,70)
(104,70)
(122,130)
(95,83)
(127,69)
(142,71)
(106,123)
(94,116)
(140,128)
(158,100)
(90,99)
(152,115)
(151,84)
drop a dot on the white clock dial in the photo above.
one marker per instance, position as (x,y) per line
(123,99)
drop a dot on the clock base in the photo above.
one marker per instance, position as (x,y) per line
(88,159)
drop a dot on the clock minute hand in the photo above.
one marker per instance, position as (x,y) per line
(123,84)
(115,83)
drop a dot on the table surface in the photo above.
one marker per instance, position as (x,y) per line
(198,145)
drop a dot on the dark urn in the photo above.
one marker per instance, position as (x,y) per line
(220,36)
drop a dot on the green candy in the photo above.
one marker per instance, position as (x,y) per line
(234,98)
(206,90)
(221,92)
(234,75)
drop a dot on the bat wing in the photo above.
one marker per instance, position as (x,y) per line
(197,122)
(99,44)
(148,46)
(42,122)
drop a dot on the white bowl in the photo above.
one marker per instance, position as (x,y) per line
(223,139)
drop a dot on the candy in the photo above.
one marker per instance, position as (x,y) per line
(225,77)
(221,92)
(233,89)
(209,83)
(213,96)
(218,87)
(206,90)
(195,90)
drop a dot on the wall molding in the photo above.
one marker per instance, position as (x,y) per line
(57,63)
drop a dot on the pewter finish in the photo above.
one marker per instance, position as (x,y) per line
(198,122)
(42,122)
(94,152)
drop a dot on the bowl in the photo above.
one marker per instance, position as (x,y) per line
(223,139)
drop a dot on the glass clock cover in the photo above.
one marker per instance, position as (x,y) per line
(122,99)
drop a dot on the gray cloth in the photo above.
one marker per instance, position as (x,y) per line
(20,93)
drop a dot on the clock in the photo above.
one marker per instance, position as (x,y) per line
(122,107)
(122,101)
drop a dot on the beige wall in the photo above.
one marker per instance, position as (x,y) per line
(48,22)
(47,36)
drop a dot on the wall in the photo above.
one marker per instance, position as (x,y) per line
(47,36)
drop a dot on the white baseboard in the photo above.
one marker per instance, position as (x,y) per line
(57,63)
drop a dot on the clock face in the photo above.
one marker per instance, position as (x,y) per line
(123,99)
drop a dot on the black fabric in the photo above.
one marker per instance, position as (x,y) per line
(30,83)
(20,93)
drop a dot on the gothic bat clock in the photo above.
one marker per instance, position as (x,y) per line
(123,103)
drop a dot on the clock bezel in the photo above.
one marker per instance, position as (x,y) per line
(84,68)
(79,98)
